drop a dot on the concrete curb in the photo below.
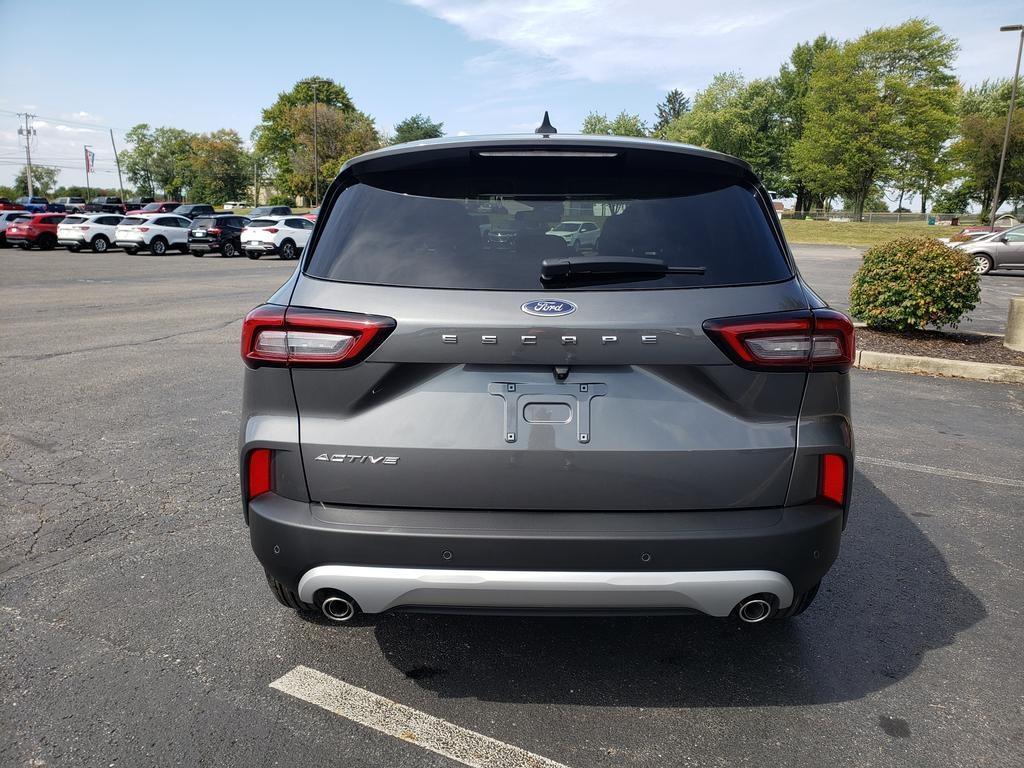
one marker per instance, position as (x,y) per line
(937,366)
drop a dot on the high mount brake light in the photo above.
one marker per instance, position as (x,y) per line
(297,336)
(806,340)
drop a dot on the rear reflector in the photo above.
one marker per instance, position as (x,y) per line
(296,336)
(260,480)
(833,478)
(818,340)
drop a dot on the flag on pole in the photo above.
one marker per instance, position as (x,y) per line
(90,161)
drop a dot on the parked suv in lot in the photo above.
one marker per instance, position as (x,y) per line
(432,421)
(6,219)
(91,230)
(192,210)
(217,234)
(285,236)
(35,229)
(156,234)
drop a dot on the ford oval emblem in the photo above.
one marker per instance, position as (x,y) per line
(549,307)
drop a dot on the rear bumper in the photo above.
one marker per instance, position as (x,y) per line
(715,593)
(482,559)
(260,247)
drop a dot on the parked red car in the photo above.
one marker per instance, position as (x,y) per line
(35,229)
(7,205)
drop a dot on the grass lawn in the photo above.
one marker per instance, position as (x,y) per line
(857,233)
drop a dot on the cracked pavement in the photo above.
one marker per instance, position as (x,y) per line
(137,629)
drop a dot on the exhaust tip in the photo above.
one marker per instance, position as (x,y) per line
(754,610)
(337,608)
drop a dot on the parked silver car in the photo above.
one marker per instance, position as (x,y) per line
(998,250)
(432,421)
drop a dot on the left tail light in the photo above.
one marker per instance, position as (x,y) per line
(298,336)
(260,472)
(806,340)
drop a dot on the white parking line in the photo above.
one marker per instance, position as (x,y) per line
(405,723)
(941,472)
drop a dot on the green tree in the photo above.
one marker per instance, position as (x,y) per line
(875,109)
(341,135)
(624,124)
(740,119)
(219,167)
(137,160)
(976,151)
(275,138)
(672,108)
(44,178)
(417,128)
(793,83)
(159,158)
(952,199)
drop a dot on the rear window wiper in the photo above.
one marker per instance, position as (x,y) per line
(597,267)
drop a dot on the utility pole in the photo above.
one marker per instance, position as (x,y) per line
(117,162)
(28,132)
(316,160)
(1009,120)
(88,188)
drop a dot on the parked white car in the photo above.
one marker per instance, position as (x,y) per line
(577,234)
(6,217)
(156,234)
(284,235)
(96,231)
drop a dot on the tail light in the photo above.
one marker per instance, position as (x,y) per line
(832,478)
(297,336)
(272,230)
(259,470)
(807,340)
(83,227)
(213,231)
(143,229)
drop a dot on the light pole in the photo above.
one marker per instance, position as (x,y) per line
(88,187)
(1009,119)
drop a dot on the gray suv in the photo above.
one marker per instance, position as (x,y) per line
(436,422)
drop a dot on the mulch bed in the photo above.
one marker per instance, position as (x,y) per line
(950,345)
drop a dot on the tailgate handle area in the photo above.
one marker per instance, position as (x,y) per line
(547,404)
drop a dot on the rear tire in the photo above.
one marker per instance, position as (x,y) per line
(130,250)
(158,246)
(47,242)
(228,250)
(73,248)
(100,244)
(287,250)
(197,254)
(252,255)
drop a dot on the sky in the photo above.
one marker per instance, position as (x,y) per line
(478,66)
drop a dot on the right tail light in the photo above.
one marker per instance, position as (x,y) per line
(806,340)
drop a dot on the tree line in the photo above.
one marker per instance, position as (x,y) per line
(853,120)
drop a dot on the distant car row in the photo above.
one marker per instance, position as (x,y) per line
(138,205)
(227,234)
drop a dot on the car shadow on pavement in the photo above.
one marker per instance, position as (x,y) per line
(888,600)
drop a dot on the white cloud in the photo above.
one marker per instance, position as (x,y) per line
(614,41)
(682,43)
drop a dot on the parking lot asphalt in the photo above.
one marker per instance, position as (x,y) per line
(830,268)
(137,629)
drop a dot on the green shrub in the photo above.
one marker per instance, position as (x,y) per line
(913,282)
(281,200)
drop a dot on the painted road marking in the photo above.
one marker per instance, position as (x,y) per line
(405,723)
(941,472)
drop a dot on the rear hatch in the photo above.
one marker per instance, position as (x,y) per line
(260,231)
(204,229)
(497,389)
(130,229)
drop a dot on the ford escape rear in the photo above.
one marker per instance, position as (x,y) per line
(438,419)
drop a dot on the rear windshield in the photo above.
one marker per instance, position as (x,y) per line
(132,221)
(203,222)
(24,218)
(497,242)
(74,219)
(262,223)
